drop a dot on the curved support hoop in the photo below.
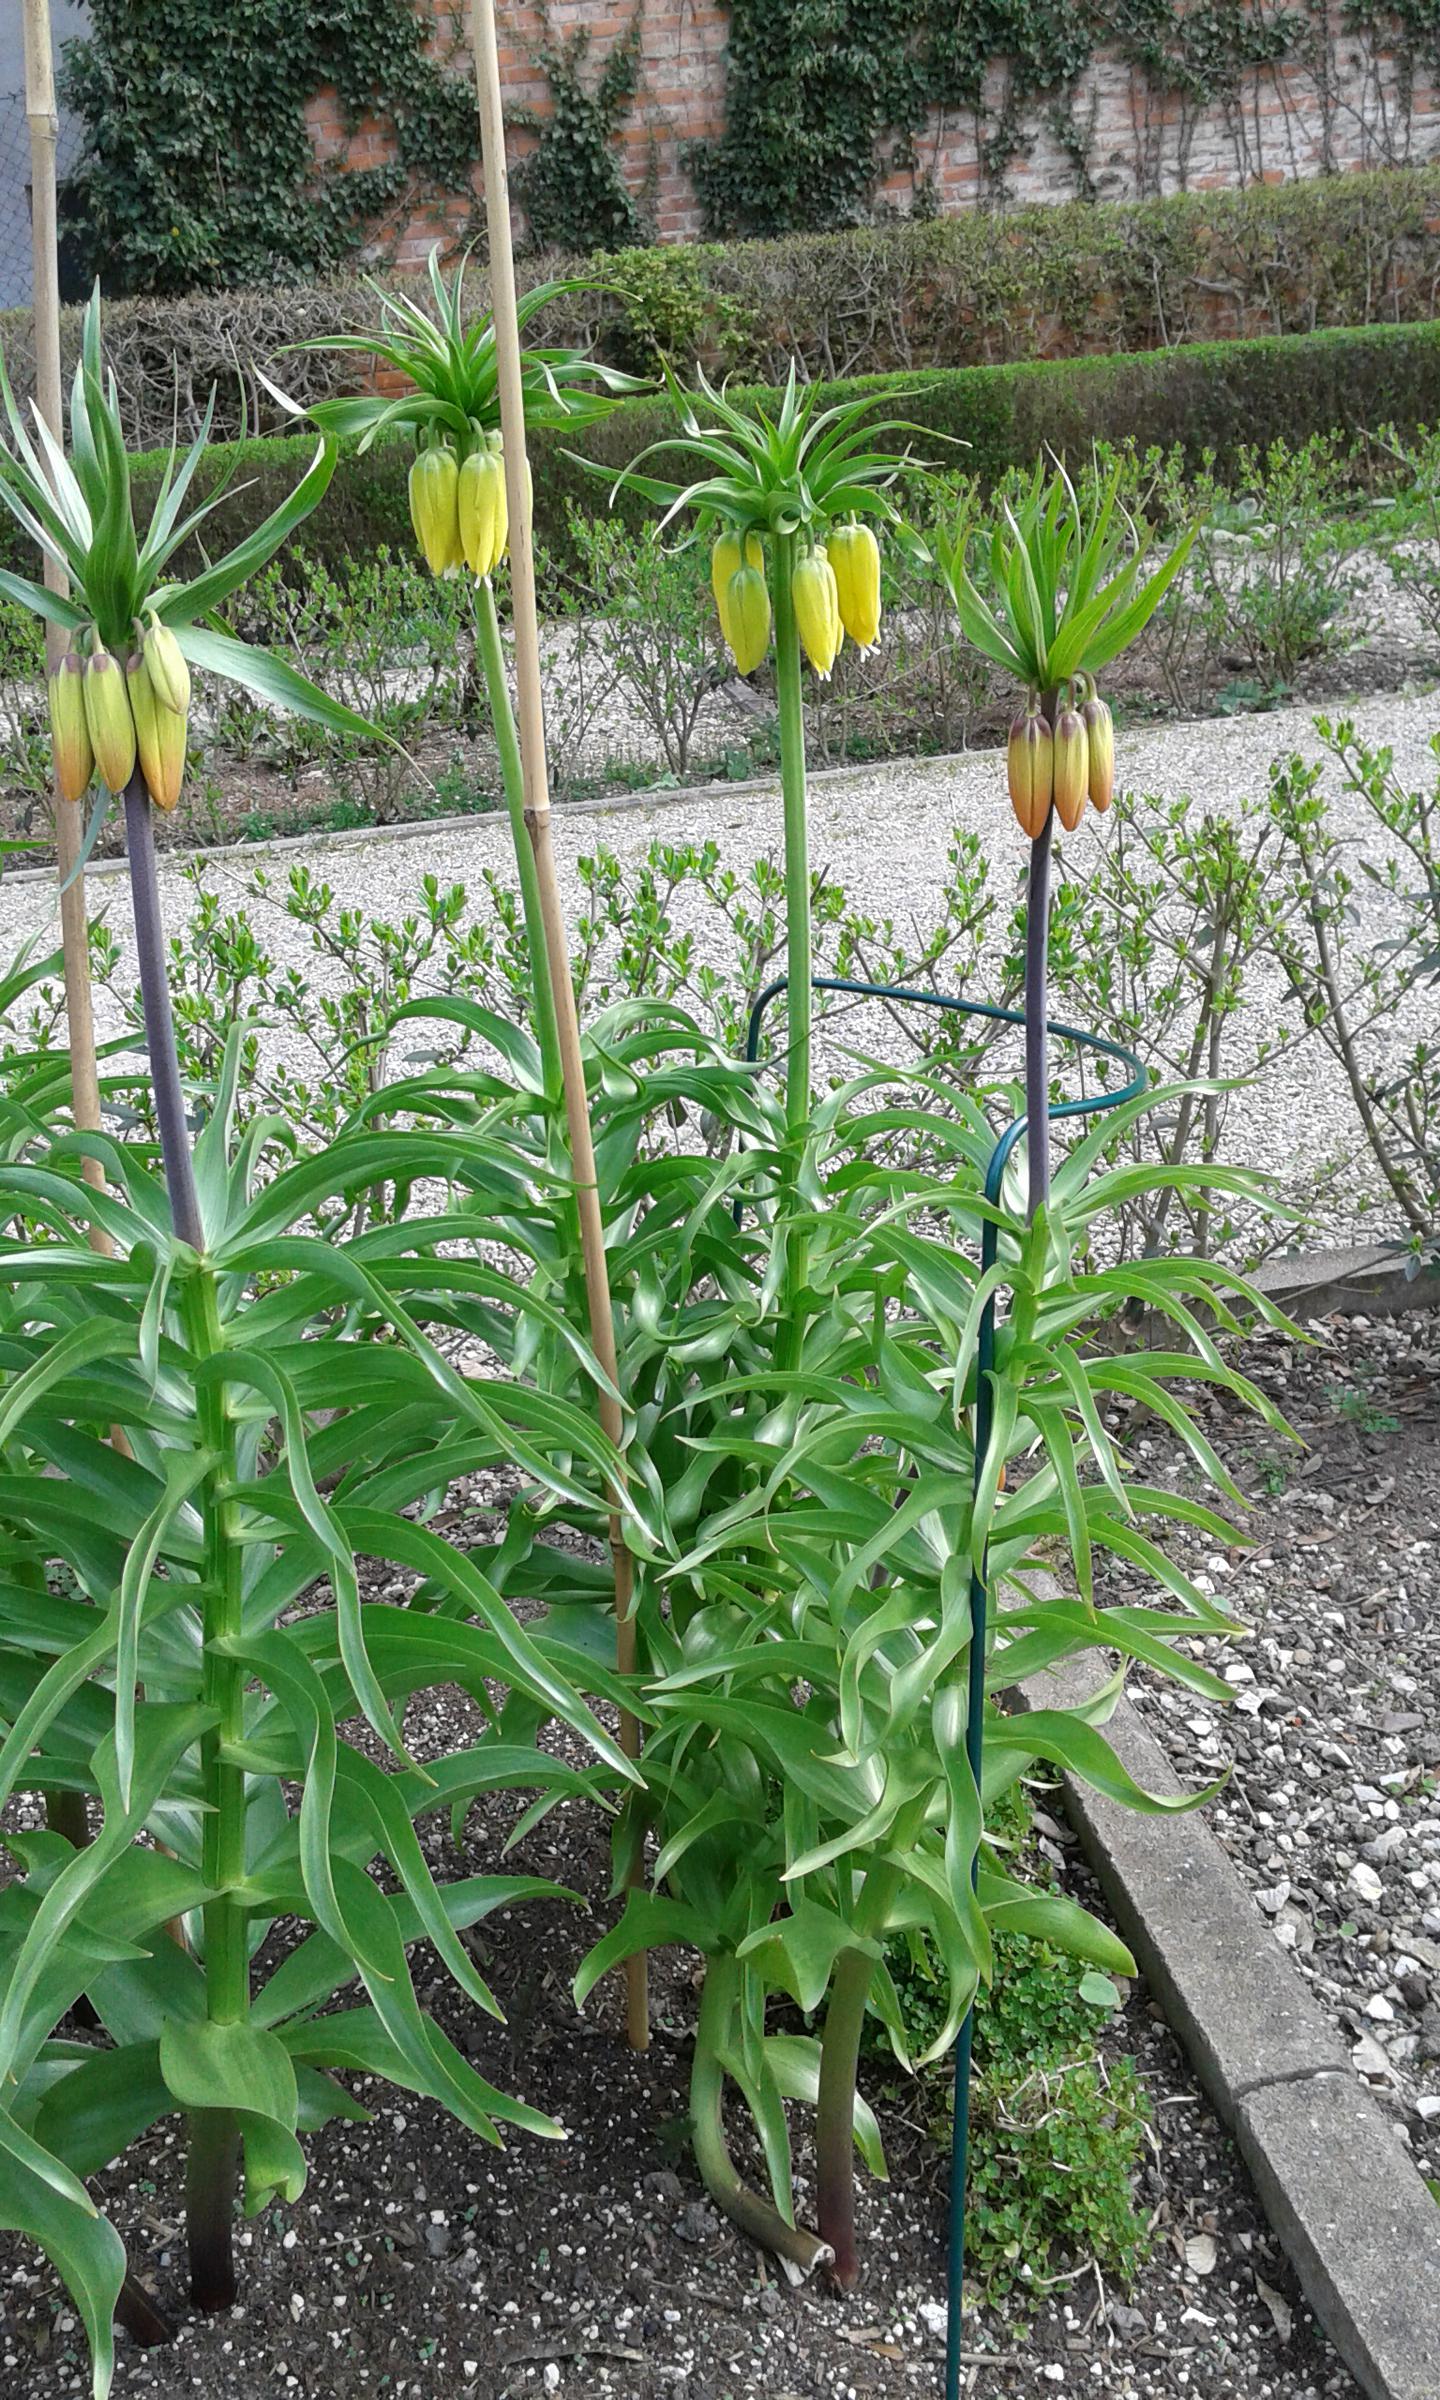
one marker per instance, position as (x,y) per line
(1000,1158)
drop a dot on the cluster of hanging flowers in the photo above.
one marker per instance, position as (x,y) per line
(459,507)
(1062,765)
(834,593)
(108,715)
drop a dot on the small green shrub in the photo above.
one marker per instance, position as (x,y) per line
(394,640)
(661,635)
(1408,533)
(1058,2130)
(667,306)
(1052,2175)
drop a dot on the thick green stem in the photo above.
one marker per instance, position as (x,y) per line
(755,2216)
(839,2067)
(213,2165)
(214,2134)
(502,718)
(799,963)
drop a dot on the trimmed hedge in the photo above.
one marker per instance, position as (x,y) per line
(1210,397)
(985,287)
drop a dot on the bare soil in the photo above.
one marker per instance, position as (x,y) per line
(420,2263)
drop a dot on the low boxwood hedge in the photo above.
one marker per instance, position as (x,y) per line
(980,288)
(1206,397)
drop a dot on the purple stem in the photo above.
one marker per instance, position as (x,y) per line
(159,1022)
(1037,1041)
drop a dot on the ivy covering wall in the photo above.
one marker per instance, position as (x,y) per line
(826,102)
(200,171)
(824,97)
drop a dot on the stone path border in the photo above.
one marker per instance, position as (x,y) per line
(1377,1280)
(1361,2227)
(414,829)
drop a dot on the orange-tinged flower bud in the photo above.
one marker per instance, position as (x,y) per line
(107,714)
(817,610)
(854,554)
(1072,767)
(745,618)
(1030,760)
(159,734)
(69,728)
(1100,734)
(435,509)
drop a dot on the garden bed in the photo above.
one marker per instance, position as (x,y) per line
(326,1394)
(420,2262)
(1332,1811)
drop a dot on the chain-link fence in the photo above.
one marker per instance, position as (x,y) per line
(15,261)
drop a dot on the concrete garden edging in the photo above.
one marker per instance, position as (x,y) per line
(1374,1279)
(414,829)
(1361,2227)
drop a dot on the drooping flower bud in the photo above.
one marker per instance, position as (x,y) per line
(854,554)
(1030,761)
(1072,767)
(1100,734)
(481,501)
(168,666)
(69,729)
(727,557)
(745,618)
(160,733)
(107,714)
(435,509)
(817,610)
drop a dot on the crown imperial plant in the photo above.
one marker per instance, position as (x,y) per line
(210,1423)
(459,503)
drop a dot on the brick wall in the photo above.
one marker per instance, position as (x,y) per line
(1286,121)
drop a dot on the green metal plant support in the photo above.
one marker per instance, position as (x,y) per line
(1000,1156)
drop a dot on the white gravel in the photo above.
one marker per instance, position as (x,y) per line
(883,832)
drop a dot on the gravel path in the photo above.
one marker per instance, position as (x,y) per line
(1332,1808)
(883,832)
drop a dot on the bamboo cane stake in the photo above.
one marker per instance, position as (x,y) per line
(537,826)
(74,928)
(66,1812)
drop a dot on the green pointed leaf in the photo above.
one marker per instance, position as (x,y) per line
(47,2205)
(93,2113)
(219,2066)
